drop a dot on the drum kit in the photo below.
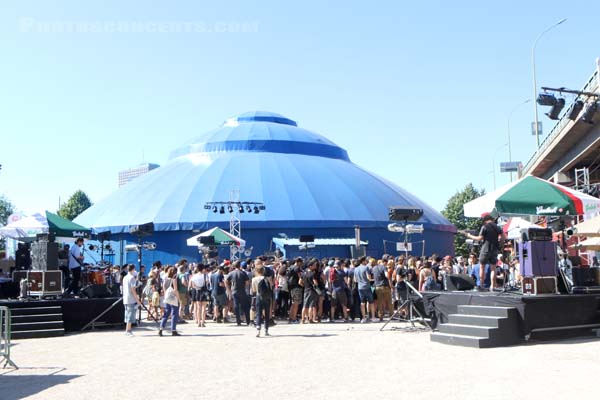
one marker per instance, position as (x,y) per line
(97,274)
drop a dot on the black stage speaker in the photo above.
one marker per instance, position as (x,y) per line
(584,276)
(208,240)
(142,230)
(95,292)
(405,213)
(44,255)
(459,282)
(104,236)
(307,238)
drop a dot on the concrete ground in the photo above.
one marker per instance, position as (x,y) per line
(332,361)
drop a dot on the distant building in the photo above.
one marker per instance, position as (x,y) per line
(126,175)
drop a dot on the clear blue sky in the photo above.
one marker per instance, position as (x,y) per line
(416,93)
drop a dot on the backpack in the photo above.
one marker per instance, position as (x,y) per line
(264,290)
(292,278)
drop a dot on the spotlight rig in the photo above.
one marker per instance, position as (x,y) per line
(585,104)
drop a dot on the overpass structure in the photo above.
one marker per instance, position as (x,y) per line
(570,154)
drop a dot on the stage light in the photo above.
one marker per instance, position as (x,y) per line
(256,211)
(248,209)
(556,109)
(588,113)
(91,247)
(575,110)
(230,209)
(545,99)
(207,207)
(261,207)
(241,209)
(222,210)
(214,209)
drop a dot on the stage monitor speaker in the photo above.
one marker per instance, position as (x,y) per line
(95,292)
(307,238)
(207,240)
(405,213)
(459,282)
(583,276)
(142,230)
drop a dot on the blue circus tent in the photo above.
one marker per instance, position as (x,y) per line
(307,183)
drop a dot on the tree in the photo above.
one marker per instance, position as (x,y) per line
(77,203)
(6,209)
(454,212)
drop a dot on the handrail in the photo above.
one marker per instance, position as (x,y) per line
(590,86)
(5,335)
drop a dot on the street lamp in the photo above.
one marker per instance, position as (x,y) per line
(508,132)
(494,162)
(535,126)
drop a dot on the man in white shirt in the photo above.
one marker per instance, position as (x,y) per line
(130,298)
(75,263)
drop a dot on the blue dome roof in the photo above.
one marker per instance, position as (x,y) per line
(263,132)
(304,180)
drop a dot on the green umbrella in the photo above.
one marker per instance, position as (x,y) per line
(62,227)
(533,196)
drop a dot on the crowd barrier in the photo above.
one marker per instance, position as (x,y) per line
(5,334)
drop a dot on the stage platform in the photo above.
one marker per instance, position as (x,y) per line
(539,317)
(76,313)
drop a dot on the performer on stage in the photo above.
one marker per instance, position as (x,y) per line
(75,263)
(493,238)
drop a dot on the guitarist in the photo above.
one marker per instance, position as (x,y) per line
(492,237)
(75,263)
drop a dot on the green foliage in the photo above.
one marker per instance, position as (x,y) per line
(77,203)
(454,212)
(6,209)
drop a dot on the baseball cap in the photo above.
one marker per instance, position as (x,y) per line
(243,264)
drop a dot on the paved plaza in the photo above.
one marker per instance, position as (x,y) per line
(325,361)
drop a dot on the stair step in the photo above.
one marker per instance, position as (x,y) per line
(36,310)
(479,320)
(44,333)
(488,311)
(484,332)
(460,340)
(36,326)
(16,319)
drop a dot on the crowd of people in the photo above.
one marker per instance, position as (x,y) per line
(264,290)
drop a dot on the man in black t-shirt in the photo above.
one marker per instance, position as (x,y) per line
(493,238)
(237,281)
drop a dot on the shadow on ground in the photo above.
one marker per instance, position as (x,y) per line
(15,387)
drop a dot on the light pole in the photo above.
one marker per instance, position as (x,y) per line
(508,132)
(535,126)
(494,162)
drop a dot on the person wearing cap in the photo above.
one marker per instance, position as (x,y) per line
(492,237)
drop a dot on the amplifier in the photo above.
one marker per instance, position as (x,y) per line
(540,285)
(41,283)
(142,230)
(405,213)
(536,234)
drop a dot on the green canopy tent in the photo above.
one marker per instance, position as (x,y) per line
(62,227)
